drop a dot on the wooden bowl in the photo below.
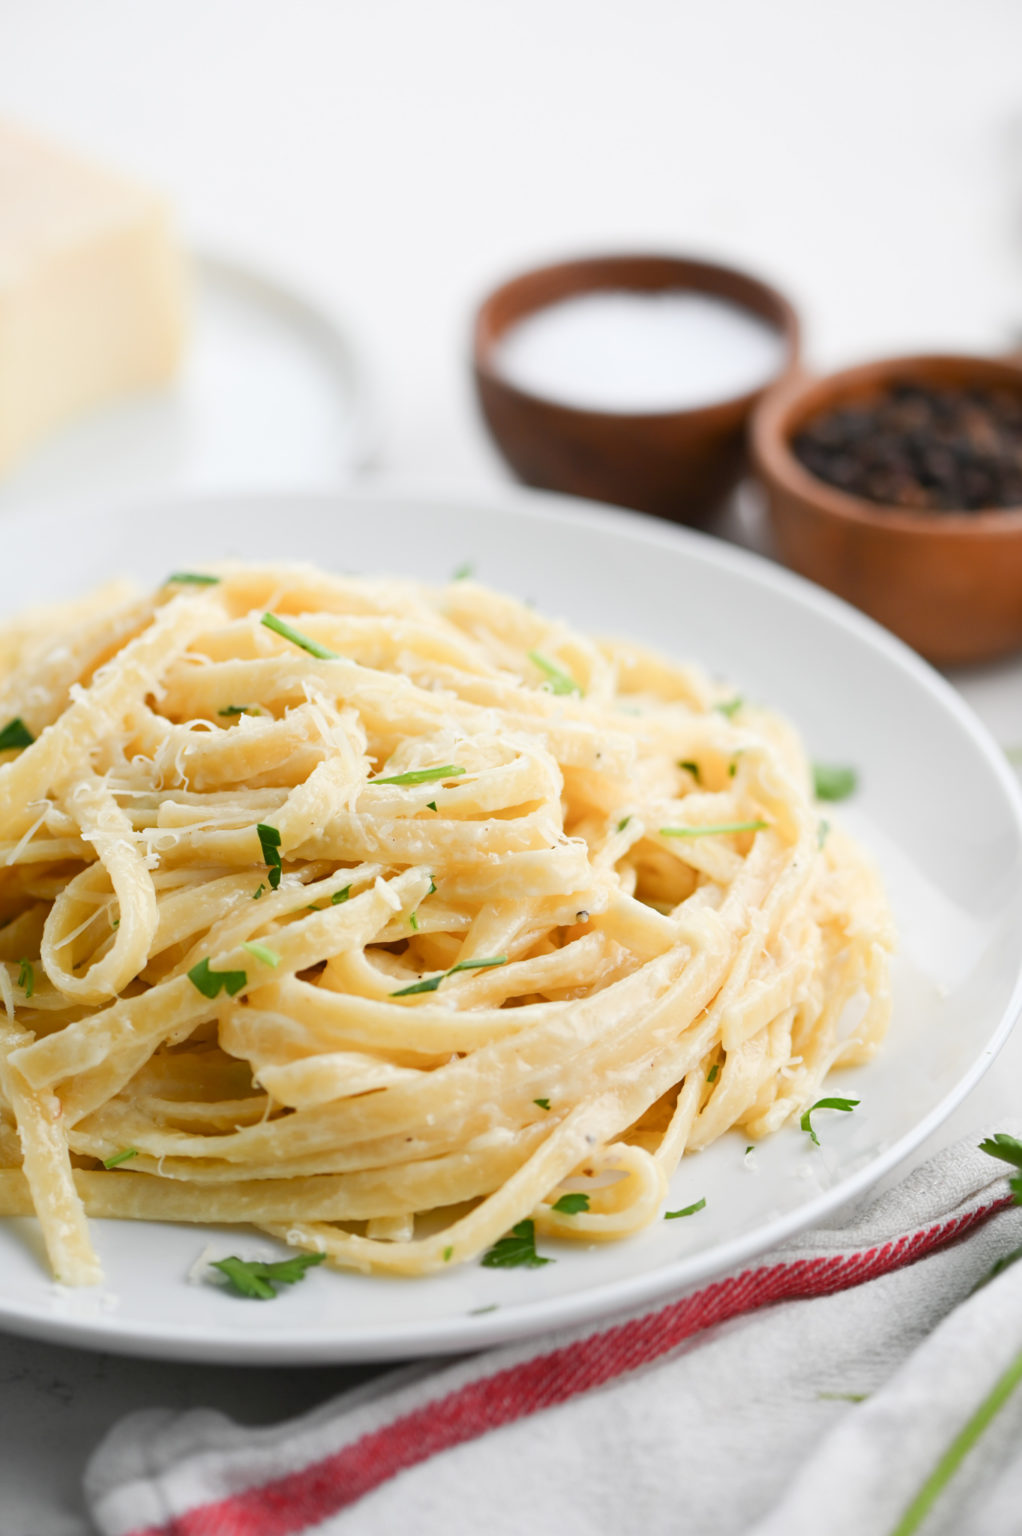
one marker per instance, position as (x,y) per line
(677,464)
(948,583)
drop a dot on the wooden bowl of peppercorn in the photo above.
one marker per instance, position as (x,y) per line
(898,485)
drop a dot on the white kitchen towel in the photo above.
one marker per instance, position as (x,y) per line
(813,1392)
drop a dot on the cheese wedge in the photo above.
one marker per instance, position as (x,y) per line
(92,289)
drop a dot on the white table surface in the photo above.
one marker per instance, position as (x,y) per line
(395,159)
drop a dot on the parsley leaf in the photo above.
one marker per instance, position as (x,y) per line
(431,805)
(250,1277)
(210,982)
(846,1104)
(191,579)
(711,1076)
(339,896)
(623,823)
(120,1157)
(692,768)
(834,783)
(1007,1148)
(413,920)
(15,735)
(464,572)
(822,833)
(570,1205)
(26,977)
(448,1255)
(543,1103)
(269,843)
(721,827)
(687,1210)
(240,709)
(560,682)
(296,637)
(516,1250)
(423,775)
(259,891)
(730,707)
(262,952)
(430,983)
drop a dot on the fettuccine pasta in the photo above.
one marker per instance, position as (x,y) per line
(380,916)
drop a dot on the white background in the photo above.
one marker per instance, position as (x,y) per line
(396,157)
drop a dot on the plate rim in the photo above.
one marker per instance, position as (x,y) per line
(617,1296)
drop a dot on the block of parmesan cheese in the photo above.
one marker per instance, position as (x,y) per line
(92,289)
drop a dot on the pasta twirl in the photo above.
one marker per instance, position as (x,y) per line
(372,913)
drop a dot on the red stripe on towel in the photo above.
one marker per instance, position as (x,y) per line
(288,1505)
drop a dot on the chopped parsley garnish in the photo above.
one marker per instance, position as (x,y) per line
(732,768)
(430,983)
(687,1210)
(339,896)
(120,1157)
(720,827)
(822,832)
(448,1254)
(730,707)
(209,983)
(560,682)
(711,1076)
(478,1311)
(842,1397)
(15,735)
(191,579)
(464,571)
(623,823)
(252,1278)
(432,886)
(570,1205)
(259,891)
(26,977)
(431,805)
(262,952)
(543,1103)
(423,775)
(692,768)
(844,1104)
(515,1251)
(297,638)
(240,709)
(834,783)
(749,1148)
(413,920)
(269,842)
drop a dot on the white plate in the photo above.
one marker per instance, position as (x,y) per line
(938,806)
(271,395)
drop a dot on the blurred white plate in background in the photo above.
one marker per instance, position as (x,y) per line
(272,394)
(937,805)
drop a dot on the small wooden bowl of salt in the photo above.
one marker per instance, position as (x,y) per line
(631,379)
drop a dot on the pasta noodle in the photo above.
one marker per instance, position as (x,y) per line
(380,915)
